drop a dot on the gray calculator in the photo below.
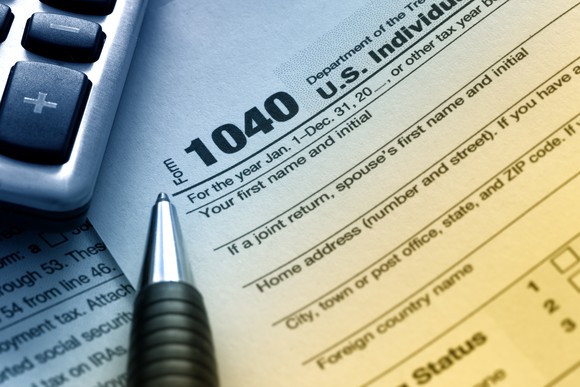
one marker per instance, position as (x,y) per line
(63,64)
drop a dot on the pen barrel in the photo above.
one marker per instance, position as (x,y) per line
(171,341)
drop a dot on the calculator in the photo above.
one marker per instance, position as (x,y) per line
(63,64)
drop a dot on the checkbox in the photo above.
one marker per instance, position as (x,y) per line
(53,239)
(575,281)
(566,260)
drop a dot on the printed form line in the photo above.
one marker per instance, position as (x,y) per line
(40,311)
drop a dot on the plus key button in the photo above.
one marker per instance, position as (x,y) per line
(41,126)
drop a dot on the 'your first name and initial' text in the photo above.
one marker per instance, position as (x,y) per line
(271,168)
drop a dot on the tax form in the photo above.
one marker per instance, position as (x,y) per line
(372,193)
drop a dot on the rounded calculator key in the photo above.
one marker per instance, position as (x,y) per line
(6,18)
(63,37)
(40,112)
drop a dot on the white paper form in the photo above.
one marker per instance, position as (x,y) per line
(376,193)
(65,310)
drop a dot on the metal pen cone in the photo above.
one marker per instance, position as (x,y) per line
(164,257)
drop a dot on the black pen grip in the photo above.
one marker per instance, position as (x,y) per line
(171,341)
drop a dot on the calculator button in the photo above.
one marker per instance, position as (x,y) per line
(91,7)
(63,37)
(40,112)
(6,18)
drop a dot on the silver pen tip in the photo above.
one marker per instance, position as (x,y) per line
(162,197)
(164,256)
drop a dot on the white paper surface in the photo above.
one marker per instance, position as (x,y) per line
(407,230)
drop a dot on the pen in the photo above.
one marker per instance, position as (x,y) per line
(170,341)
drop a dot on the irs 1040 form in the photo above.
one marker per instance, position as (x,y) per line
(373,193)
